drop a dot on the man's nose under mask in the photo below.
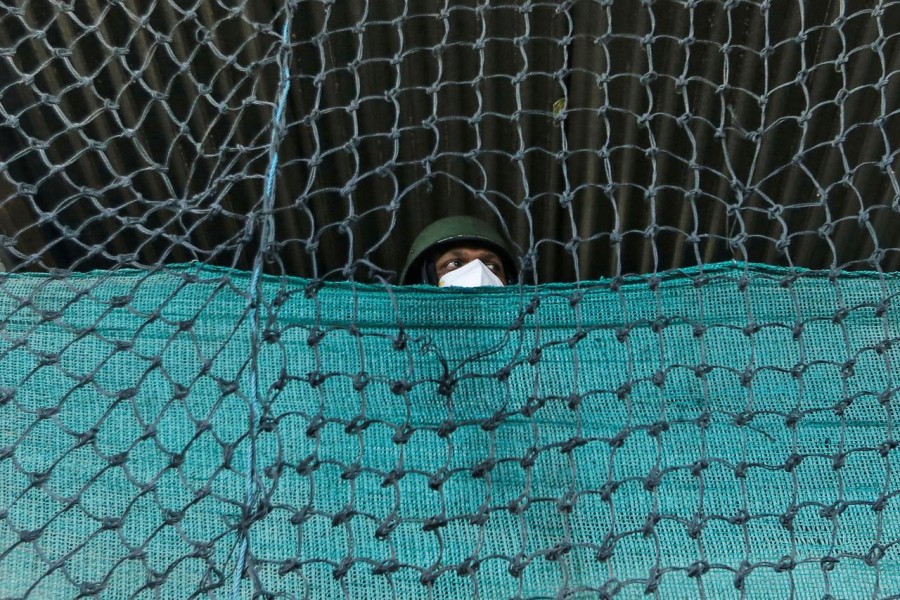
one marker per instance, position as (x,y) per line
(472,274)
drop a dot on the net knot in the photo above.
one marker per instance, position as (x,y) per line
(402,434)
(342,516)
(832,511)
(658,428)
(399,342)
(503,373)
(445,387)
(606,549)
(429,576)
(176,460)
(117,459)
(315,378)
(875,554)
(351,472)
(480,517)
(608,489)
(574,401)
(86,438)
(434,523)
(654,578)
(148,433)
(289,566)
(841,407)
(483,468)
(558,550)
(793,461)
(387,526)
(793,418)
(315,424)
(653,479)
(173,517)
(91,588)
(741,574)
(744,418)
(880,503)
(848,369)
(312,288)
(393,476)
(48,360)
(650,524)
(787,519)
(695,527)
(29,535)
(136,554)
(302,515)
(741,517)
(437,479)
(571,444)
(883,449)
(386,566)
(784,564)
(517,565)
(308,465)
(610,589)
(618,440)
(529,458)
(447,428)
(357,425)
(225,387)
(699,466)
(342,568)
(518,505)
(704,419)
(698,569)
(839,461)
(47,413)
(532,405)
(493,422)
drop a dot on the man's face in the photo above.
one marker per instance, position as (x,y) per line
(457,256)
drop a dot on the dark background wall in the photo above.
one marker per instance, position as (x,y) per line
(604,137)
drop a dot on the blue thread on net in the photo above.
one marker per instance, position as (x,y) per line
(266,236)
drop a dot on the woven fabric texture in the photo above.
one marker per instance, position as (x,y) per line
(717,432)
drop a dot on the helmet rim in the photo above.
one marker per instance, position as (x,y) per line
(454,230)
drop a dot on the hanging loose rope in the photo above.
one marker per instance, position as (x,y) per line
(256,396)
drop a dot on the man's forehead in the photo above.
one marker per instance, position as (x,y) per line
(466,248)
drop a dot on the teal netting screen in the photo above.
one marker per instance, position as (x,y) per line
(718,431)
(212,386)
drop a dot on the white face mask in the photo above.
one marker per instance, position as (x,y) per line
(472,274)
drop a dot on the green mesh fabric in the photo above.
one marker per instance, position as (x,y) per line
(717,432)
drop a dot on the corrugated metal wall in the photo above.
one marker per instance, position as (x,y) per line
(606,136)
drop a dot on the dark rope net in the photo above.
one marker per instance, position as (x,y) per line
(210,385)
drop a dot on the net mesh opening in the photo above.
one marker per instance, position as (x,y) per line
(211,384)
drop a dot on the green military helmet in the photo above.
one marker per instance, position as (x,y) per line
(454,230)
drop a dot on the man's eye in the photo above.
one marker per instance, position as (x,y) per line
(452,264)
(493,266)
